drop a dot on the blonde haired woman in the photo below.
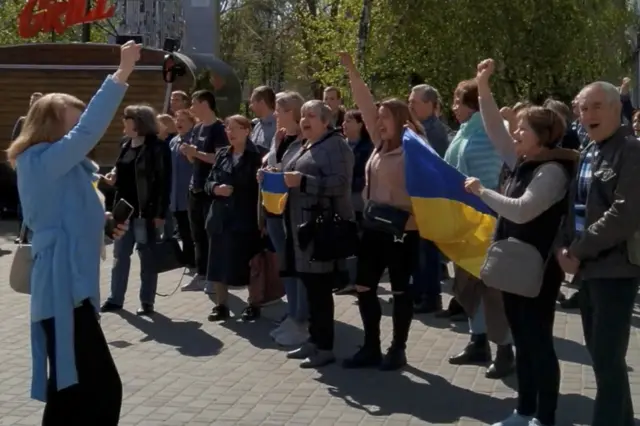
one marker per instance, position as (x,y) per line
(66,216)
(293,330)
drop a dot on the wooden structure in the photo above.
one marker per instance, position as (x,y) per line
(78,69)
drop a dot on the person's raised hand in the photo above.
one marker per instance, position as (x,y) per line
(625,86)
(484,71)
(347,61)
(129,55)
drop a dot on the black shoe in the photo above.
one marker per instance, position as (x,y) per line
(219,313)
(428,306)
(366,357)
(561,297)
(394,359)
(572,302)
(110,307)
(504,364)
(250,313)
(145,310)
(477,352)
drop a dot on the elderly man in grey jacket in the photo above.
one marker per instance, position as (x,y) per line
(607,254)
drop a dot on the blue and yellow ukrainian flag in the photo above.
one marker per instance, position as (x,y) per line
(274,192)
(458,222)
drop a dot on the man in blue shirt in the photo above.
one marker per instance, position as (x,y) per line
(263,104)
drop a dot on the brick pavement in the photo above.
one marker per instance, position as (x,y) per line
(180,370)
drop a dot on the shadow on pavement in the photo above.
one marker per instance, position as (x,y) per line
(187,337)
(430,398)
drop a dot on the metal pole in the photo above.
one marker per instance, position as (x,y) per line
(86,28)
(167,98)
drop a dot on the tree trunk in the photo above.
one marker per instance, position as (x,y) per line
(363,31)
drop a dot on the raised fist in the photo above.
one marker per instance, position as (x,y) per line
(129,55)
(485,70)
(346,60)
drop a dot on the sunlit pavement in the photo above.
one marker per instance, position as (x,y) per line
(178,369)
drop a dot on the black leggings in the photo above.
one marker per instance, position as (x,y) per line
(537,368)
(98,393)
(379,251)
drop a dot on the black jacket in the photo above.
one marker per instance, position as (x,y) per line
(238,212)
(153,177)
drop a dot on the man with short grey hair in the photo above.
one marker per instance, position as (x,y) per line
(606,255)
(423,101)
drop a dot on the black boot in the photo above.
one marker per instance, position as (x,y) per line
(369,354)
(396,357)
(504,364)
(476,352)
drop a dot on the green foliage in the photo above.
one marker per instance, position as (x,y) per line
(543,47)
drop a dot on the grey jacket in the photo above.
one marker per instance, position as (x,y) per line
(612,213)
(327,169)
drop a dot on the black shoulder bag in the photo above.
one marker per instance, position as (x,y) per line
(333,237)
(383,217)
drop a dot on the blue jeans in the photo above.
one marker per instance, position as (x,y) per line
(122,251)
(298,307)
(428,274)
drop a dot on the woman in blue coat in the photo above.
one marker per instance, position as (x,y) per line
(62,208)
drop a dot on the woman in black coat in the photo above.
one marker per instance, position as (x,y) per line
(232,223)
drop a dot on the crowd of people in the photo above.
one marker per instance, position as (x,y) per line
(541,169)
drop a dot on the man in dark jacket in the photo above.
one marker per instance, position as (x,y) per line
(606,255)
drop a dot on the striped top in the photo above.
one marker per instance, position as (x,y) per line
(472,153)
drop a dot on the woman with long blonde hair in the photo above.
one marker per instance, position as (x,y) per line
(69,223)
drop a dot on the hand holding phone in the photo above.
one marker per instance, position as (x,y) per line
(121,214)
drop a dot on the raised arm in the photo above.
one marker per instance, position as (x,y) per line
(547,187)
(491,117)
(73,148)
(362,97)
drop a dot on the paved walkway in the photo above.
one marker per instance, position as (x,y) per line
(178,369)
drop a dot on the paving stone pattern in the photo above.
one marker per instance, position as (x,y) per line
(180,370)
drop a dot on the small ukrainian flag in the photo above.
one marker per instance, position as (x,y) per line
(274,192)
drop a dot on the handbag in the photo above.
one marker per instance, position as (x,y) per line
(20,273)
(167,255)
(383,217)
(265,285)
(333,237)
(514,266)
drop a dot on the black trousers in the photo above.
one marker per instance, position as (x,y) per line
(184,230)
(98,393)
(380,251)
(537,367)
(606,307)
(321,308)
(199,204)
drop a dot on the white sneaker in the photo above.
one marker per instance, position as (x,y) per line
(515,419)
(535,422)
(196,284)
(209,287)
(285,325)
(294,336)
